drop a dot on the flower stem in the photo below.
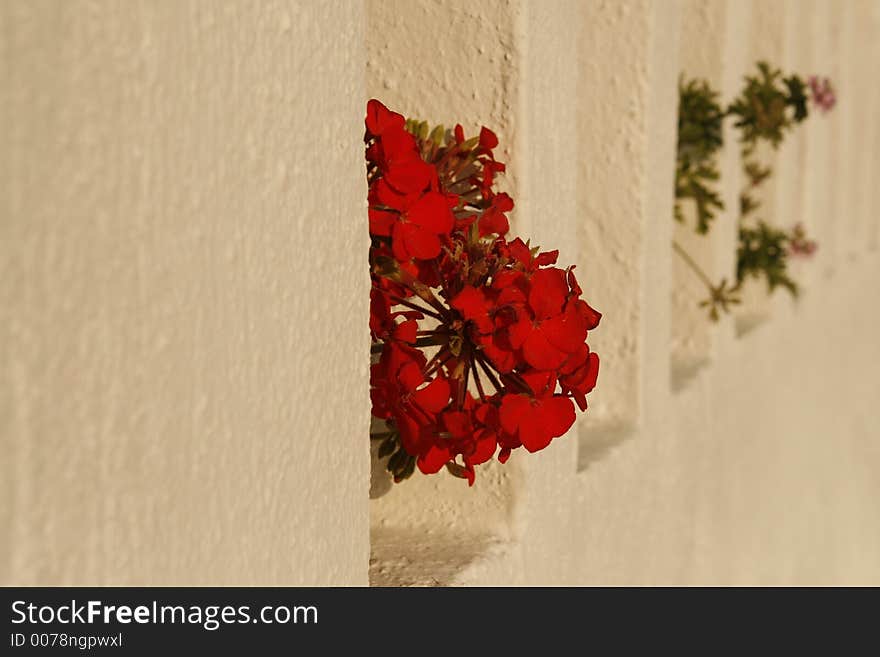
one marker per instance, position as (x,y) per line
(488,372)
(415,306)
(436,266)
(692,264)
(438,361)
(477,378)
(432,341)
(516,379)
(462,391)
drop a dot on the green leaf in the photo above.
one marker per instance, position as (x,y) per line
(438,134)
(699,140)
(387,447)
(763,253)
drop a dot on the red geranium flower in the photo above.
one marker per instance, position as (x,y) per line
(481,341)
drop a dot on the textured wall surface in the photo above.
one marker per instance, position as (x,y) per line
(183,390)
(183,243)
(711,47)
(758,466)
(447,62)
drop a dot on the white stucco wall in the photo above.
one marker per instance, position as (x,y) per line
(183,297)
(182,255)
(738,471)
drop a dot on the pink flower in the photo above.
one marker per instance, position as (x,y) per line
(799,244)
(823,93)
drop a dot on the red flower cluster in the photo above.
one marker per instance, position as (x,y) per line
(504,329)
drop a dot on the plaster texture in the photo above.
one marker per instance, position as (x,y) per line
(183,250)
(448,62)
(740,470)
(184,297)
(711,47)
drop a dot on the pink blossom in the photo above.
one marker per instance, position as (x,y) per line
(823,93)
(799,244)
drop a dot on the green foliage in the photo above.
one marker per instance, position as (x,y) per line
(694,183)
(401,465)
(769,105)
(721,298)
(699,139)
(755,174)
(699,122)
(763,252)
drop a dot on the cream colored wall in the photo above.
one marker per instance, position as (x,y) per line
(184,374)
(183,293)
(758,466)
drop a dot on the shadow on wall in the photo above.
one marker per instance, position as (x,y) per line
(597,443)
(409,557)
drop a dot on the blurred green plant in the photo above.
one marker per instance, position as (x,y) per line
(763,253)
(768,107)
(699,139)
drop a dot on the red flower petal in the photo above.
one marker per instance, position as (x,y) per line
(590,315)
(504,360)
(408,179)
(406,331)
(546,258)
(380,118)
(434,396)
(513,408)
(520,252)
(503,202)
(533,432)
(537,381)
(383,194)
(547,292)
(399,233)
(556,414)
(487,414)
(488,139)
(382,221)
(410,376)
(573,283)
(380,311)
(421,243)
(580,399)
(575,360)
(432,212)
(457,423)
(493,222)
(506,279)
(469,474)
(540,354)
(471,303)
(410,432)
(434,459)
(521,312)
(484,448)
(518,332)
(566,331)
(400,148)
(593,369)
